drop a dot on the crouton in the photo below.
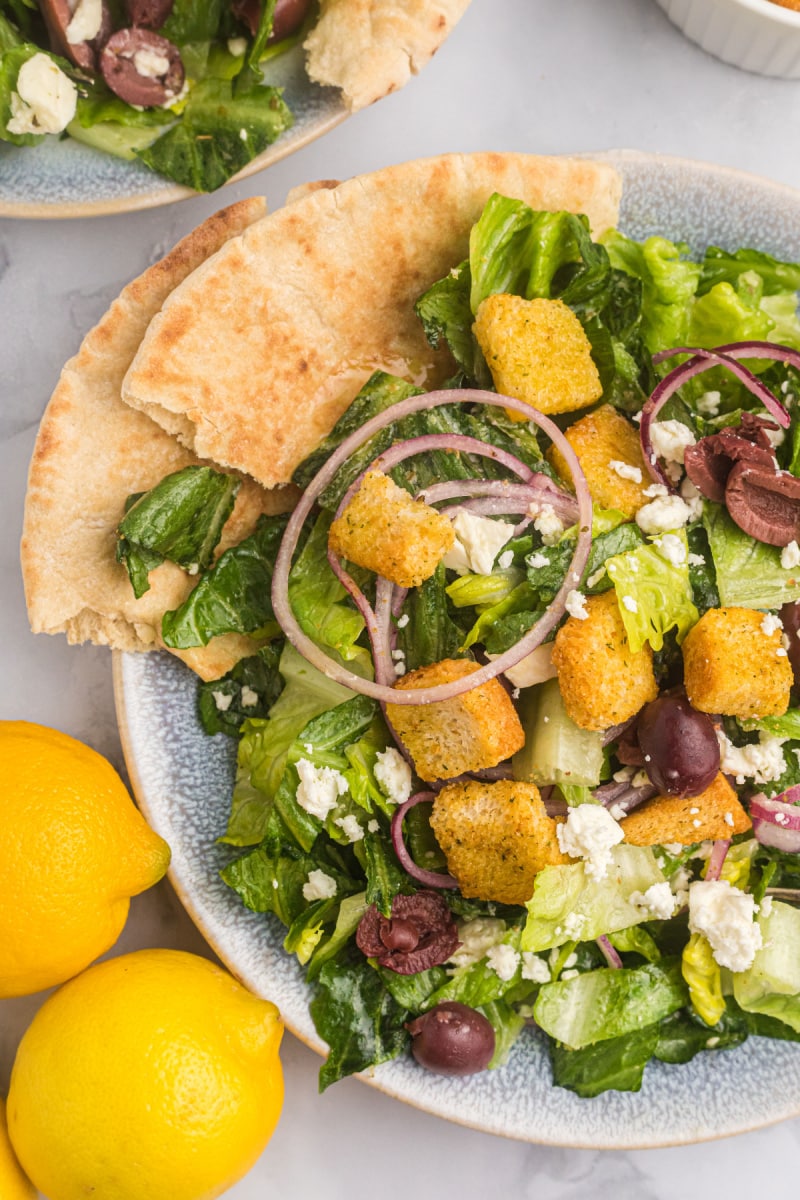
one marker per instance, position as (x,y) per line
(600,439)
(477,729)
(602,681)
(537,351)
(496,838)
(716,814)
(734,663)
(385,530)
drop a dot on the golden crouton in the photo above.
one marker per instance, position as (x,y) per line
(602,681)
(733,665)
(496,838)
(715,814)
(537,351)
(477,729)
(599,439)
(385,530)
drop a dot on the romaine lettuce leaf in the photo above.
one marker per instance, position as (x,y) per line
(358,1018)
(234,596)
(315,595)
(669,282)
(749,573)
(653,594)
(180,519)
(616,1064)
(608,1003)
(567,905)
(723,266)
(771,986)
(224,705)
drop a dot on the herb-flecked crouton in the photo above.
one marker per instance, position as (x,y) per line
(385,530)
(496,838)
(602,681)
(734,663)
(715,814)
(600,439)
(477,729)
(537,351)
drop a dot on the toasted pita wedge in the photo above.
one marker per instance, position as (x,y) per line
(255,356)
(92,452)
(369,48)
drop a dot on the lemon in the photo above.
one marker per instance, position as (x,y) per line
(13,1184)
(74,849)
(150,1075)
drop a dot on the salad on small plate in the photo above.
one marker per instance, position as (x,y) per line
(519,748)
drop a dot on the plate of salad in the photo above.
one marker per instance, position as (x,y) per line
(503,812)
(108,107)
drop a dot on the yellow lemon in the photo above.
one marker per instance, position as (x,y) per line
(13,1184)
(154,1074)
(74,849)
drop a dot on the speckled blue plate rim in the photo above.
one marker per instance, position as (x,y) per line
(182,781)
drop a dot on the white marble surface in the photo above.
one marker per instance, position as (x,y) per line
(544,76)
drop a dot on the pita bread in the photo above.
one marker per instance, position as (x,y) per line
(92,451)
(369,48)
(254,357)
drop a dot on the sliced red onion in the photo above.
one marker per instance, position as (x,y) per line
(535,635)
(428,878)
(540,489)
(716,859)
(790,895)
(624,795)
(776,823)
(703,360)
(611,956)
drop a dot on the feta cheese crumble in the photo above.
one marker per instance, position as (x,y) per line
(657,902)
(536,667)
(505,560)
(150,64)
(790,556)
(537,559)
(503,960)
(222,701)
(249,697)
(762,761)
(350,827)
(672,549)
(670,439)
(576,605)
(478,541)
(547,523)
(86,22)
(393,775)
(725,915)
(771,624)
(589,833)
(45,99)
(625,470)
(534,968)
(475,938)
(319,788)
(629,603)
(319,886)
(662,514)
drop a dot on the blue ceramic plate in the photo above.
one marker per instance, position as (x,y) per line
(183,779)
(67,179)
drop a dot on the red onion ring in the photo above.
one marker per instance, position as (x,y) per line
(540,489)
(700,361)
(535,635)
(428,878)
(776,823)
(610,954)
(716,859)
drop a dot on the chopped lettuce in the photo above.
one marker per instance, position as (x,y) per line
(359,1019)
(567,904)
(180,519)
(616,1064)
(669,281)
(608,1003)
(771,986)
(653,594)
(749,573)
(249,690)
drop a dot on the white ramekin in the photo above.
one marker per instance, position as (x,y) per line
(756,35)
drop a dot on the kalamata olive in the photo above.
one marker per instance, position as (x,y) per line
(142,68)
(289,16)
(57,16)
(398,934)
(452,1039)
(790,615)
(148,14)
(679,746)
